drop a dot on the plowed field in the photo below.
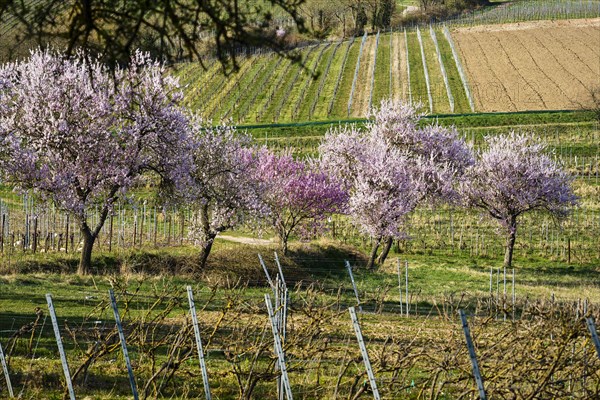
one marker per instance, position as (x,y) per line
(545,65)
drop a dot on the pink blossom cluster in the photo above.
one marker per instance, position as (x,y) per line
(393,165)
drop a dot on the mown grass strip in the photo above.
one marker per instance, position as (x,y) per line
(442,68)
(382,87)
(324,75)
(425,70)
(339,108)
(439,94)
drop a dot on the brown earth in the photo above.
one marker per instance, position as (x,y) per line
(396,73)
(541,65)
(360,102)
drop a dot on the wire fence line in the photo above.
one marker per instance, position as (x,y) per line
(233,323)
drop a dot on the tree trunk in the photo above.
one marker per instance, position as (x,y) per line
(209,237)
(373,256)
(389,241)
(284,244)
(510,244)
(89,237)
(205,251)
(85,262)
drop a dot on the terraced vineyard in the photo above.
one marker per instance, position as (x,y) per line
(337,80)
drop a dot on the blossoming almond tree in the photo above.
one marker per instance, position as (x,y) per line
(391,167)
(515,175)
(224,186)
(81,136)
(296,193)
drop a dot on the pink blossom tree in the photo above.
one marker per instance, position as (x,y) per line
(515,175)
(392,166)
(295,193)
(224,186)
(81,136)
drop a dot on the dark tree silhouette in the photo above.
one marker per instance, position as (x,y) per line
(169,29)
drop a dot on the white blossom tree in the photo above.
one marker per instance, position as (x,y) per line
(391,167)
(514,175)
(81,136)
(224,187)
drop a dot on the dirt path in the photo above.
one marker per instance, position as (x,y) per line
(403,69)
(246,240)
(360,102)
(395,65)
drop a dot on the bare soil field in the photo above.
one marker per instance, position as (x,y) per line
(542,65)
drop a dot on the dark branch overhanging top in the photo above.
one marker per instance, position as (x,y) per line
(171,30)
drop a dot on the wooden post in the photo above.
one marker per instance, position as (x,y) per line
(2,233)
(142,225)
(406,286)
(349,268)
(35,235)
(472,355)
(199,344)
(363,351)
(400,286)
(155,227)
(6,376)
(182,227)
(61,350)
(67,235)
(278,349)
(135,229)
(113,302)
(514,297)
(110,232)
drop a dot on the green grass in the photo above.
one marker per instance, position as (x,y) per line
(310,95)
(381,90)
(331,84)
(418,86)
(340,106)
(244,83)
(461,102)
(436,80)
(297,92)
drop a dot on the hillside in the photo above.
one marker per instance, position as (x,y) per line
(507,67)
